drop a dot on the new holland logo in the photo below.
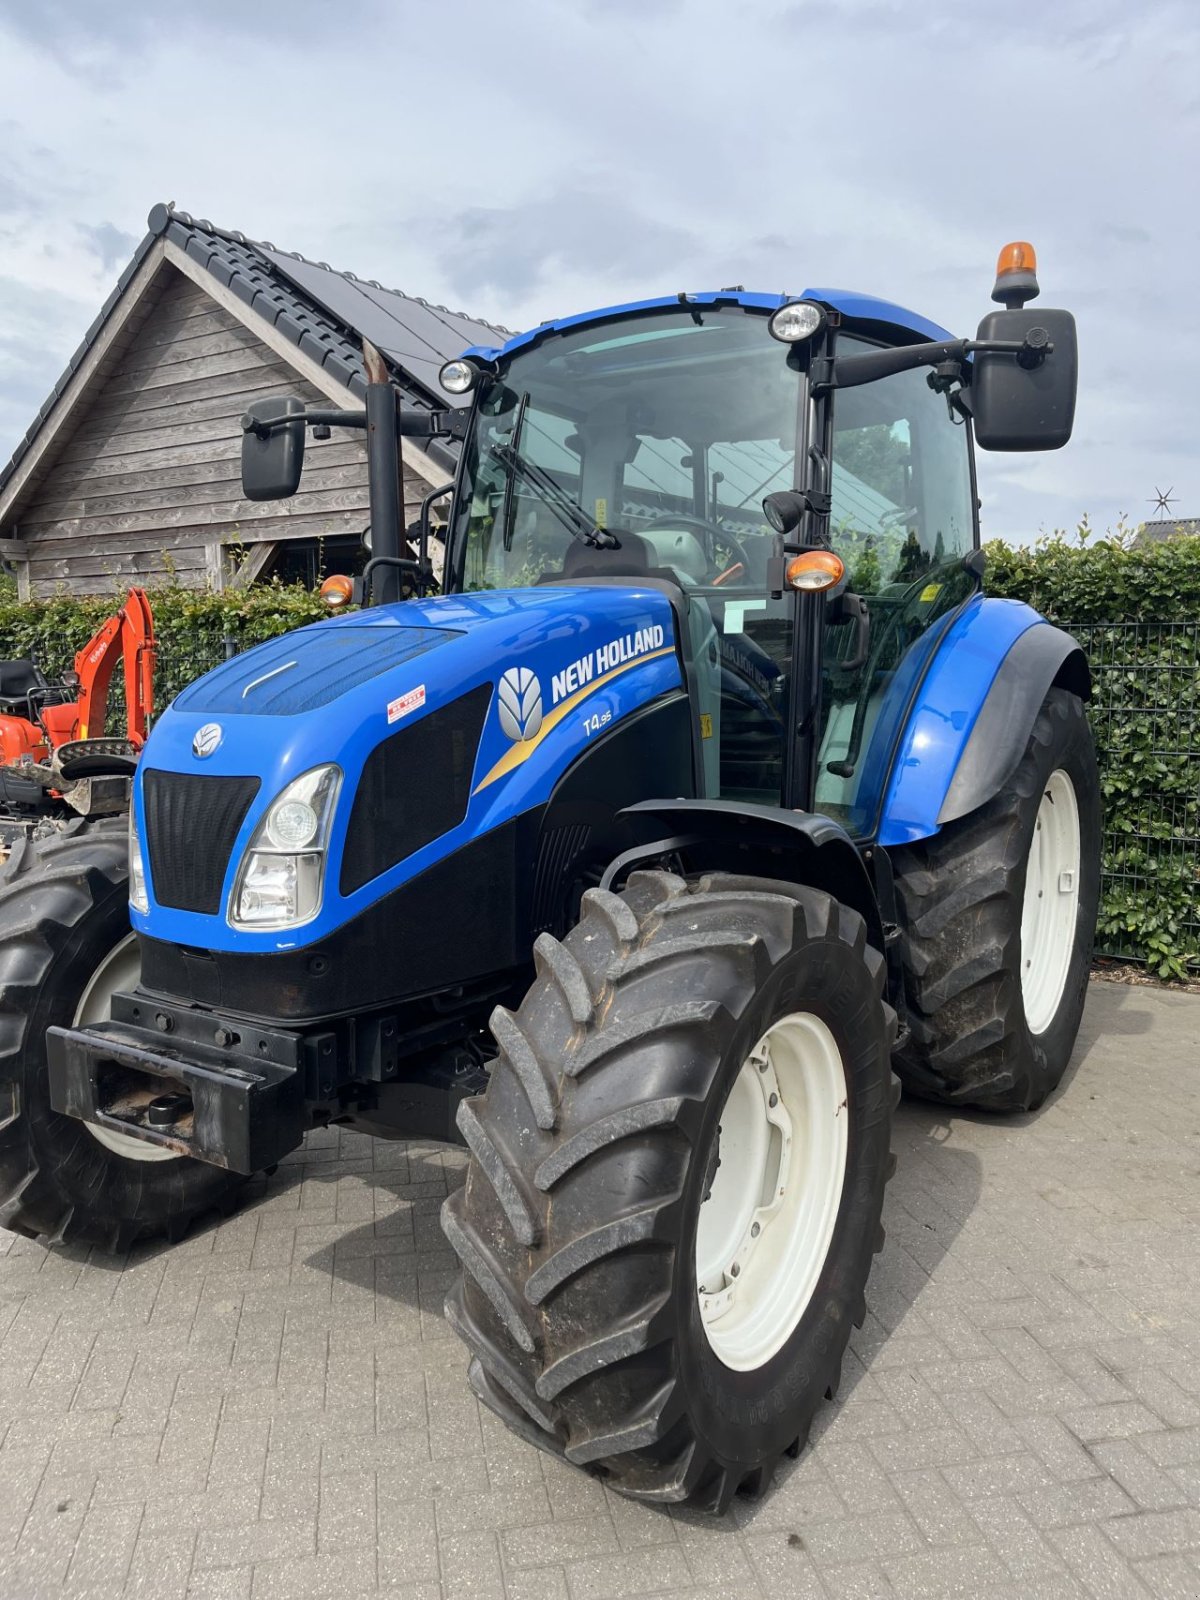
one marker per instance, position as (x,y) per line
(206,739)
(520,704)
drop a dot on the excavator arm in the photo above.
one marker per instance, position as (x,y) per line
(127,636)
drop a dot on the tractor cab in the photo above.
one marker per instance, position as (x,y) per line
(704,441)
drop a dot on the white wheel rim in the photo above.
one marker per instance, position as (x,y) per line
(764,1229)
(120,970)
(1051,907)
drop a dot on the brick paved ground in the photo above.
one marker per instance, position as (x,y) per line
(274,1408)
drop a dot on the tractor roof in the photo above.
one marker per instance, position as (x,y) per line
(854,307)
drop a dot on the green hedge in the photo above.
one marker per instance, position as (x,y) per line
(1146,710)
(191,627)
(1110,579)
(1136,610)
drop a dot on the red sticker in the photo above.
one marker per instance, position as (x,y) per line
(404,703)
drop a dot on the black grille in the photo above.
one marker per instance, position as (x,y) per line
(558,854)
(415,786)
(191,823)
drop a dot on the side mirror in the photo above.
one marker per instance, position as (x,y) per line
(1023,401)
(272,448)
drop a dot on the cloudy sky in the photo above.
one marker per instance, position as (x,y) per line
(529,159)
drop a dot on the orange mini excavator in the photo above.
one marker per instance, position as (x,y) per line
(55,761)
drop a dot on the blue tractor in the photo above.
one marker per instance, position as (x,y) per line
(708,794)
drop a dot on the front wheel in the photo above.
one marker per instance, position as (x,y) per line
(676,1184)
(65,949)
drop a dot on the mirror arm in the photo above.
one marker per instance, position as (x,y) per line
(451,424)
(849,372)
(312,419)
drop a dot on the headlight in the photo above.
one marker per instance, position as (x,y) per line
(282,874)
(139,897)
(291,824)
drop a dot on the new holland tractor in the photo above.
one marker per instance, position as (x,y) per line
(710,793)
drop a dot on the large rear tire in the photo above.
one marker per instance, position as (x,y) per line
(677,1178)
(65,945)
(998,914)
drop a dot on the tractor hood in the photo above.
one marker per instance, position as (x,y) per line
(446,718)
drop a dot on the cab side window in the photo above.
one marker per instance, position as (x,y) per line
(901,484)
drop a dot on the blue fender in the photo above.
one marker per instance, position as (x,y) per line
(990,666)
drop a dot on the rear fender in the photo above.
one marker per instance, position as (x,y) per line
(973,715)
(756,841)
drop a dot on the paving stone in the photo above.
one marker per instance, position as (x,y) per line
(1170,1577)
(1094,1560)
(1116,1421)
(961,1570)
(561,1540)
(471,1566)
(161,1568)
(651,1571)
(1147,1486)
(1155,1533)
(252,1542)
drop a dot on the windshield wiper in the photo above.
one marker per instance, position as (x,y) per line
(556,497)
(508,509)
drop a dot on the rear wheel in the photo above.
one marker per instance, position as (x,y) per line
(676,1185)
(998,912)
(65,949)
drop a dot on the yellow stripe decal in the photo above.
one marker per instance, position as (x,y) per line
(521,751)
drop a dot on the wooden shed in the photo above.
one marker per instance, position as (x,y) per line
(130,472)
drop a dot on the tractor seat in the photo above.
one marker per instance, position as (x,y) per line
(17,678)
(585,561)
(635,559)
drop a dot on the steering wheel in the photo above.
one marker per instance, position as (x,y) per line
(711,534)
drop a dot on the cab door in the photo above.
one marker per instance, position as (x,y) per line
(902,519)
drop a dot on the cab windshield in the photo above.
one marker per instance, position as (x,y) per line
(660,434)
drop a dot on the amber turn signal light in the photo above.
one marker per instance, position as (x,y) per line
(814,570)
(337,591)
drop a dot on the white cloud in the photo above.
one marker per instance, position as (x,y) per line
(529,160)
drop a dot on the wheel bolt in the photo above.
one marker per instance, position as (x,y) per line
(773,1101)
(734,1270)
(755,1230)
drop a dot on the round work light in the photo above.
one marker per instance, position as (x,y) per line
(458,377)
(793,323)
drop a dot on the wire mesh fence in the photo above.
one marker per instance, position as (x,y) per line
(1145,714)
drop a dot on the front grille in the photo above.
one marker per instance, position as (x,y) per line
(414,787)
(191,823)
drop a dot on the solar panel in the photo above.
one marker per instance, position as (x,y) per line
(417,337)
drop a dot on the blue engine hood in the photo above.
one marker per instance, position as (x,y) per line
(333,691)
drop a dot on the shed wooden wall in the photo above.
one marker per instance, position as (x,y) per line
(148,484)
